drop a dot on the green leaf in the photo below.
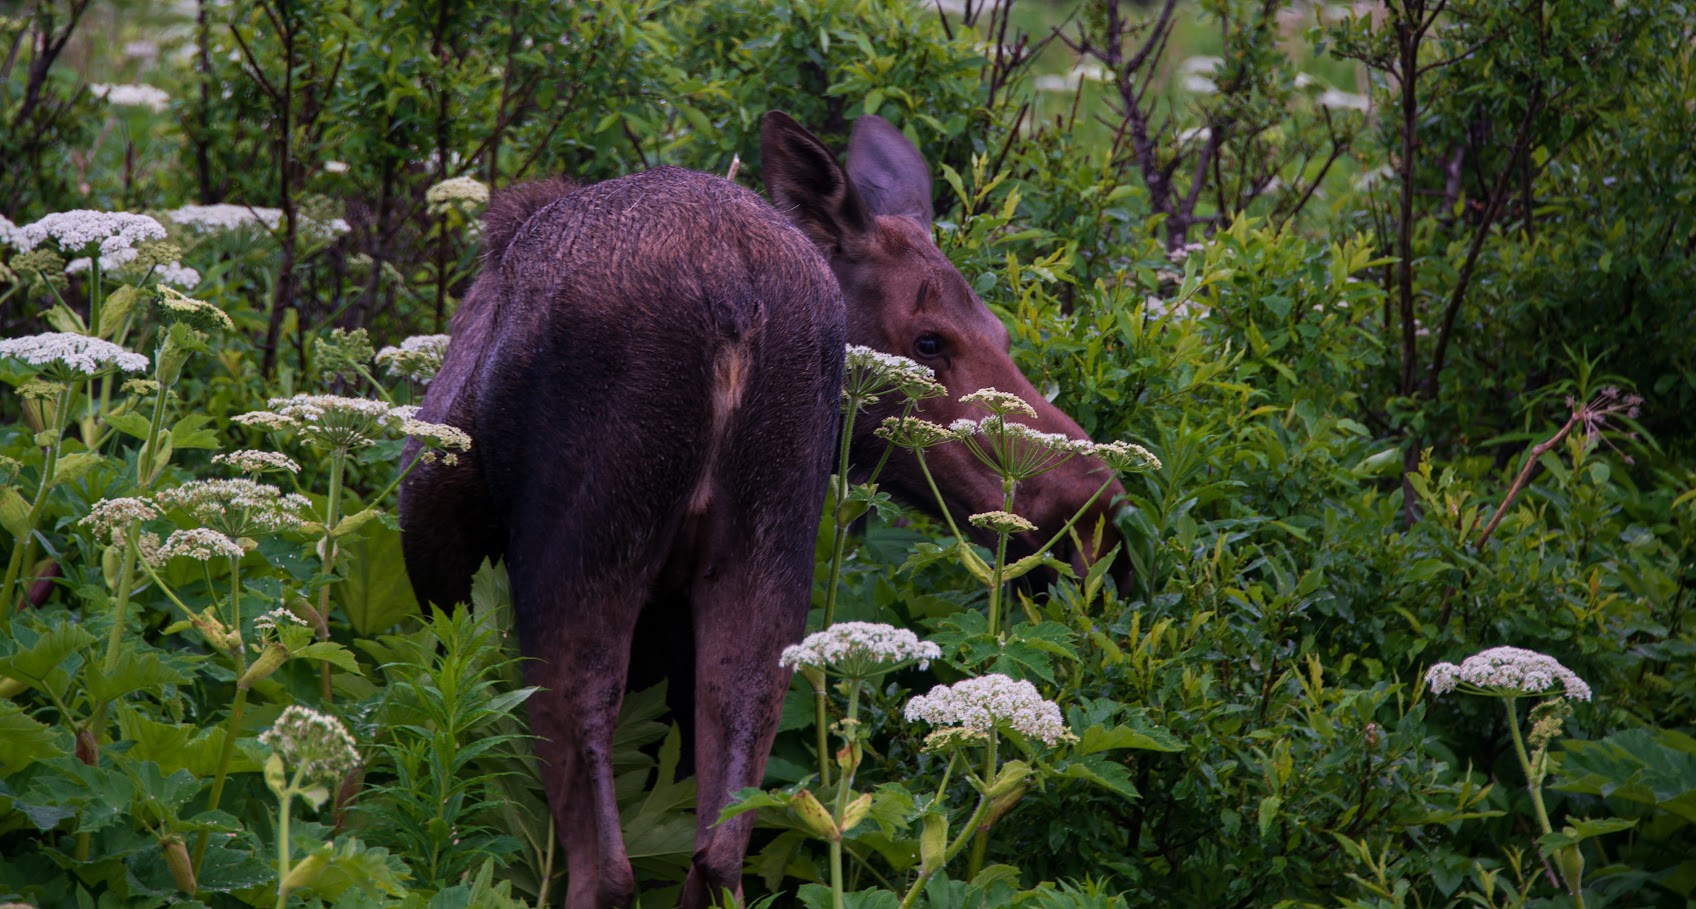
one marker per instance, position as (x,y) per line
(14,511)
(130,424)
(1269,808)
(136,670)
(1095,769)
(73,467)
(1580,830)
(187,433)
(43,652)
(1127,735)
(332,653)
(376,593)
(23,741)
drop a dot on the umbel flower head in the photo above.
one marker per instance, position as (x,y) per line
(108,517)
(1002,522)
(332,421)
(175,306)
(201,544)
(112,235)
(860,650)
(237,507)
(1508,672)
(456,191)
(64,356)
(988,704)
(418,358)
(1015,449)
(254,461)
(315,744)
(871,374)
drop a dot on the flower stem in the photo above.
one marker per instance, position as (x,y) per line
(24,546)
(843,784)
(1534,785)
(980,840)
(332,517)
(839,533)
(283,838)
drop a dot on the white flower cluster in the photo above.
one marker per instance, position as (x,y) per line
(999,402)
(1508,671)
(988,703)
(313,742)
(872,373)
(913,432)
(1002,522)
(998,429)
(211,219)
(147,96)
(109,516)
(237,507)
(116,233)
(7,229)
(178,274)
(457,190)
(203,544)
(279,616)
(61,352)
(418,358)
(333,421)
(859,649)
(1125,456)
(251,460)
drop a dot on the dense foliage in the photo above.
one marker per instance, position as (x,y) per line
(1395,293)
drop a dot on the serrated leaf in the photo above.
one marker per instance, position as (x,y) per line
(45,653)
(188,432)
(376,593)
(1113,777)
(136,670)
(332,653)
(23,740)
(1127,735)
(73,467)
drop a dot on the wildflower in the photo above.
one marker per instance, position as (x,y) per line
(335,167)
(418,358)
(1002,522)
(39,390)
(912,432)
(208,219)
(108,517)
(1000,403)
(860,650)
(7,228)
(279,617)
(43,263)
(1507,672)
(456,191)
(178,274)
(146,96)
(437,435)
(316,745)
(115,233)
(202,544)
(1124,456)
(989,703)
(344,353)
(1015,449)
(254,461)
(175,306)
(59,354)
(237,507)
(332,421)
(871,374)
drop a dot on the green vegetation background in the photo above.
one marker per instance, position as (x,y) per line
(1341,267)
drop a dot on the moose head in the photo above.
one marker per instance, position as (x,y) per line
(872,222)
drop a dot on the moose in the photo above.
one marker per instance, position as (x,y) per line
(650,368)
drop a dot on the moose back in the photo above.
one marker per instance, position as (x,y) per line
(650,369)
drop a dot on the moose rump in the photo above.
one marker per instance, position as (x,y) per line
(649,369)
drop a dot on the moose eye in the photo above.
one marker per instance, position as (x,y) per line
(928,345)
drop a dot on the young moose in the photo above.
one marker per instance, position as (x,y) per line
(650,368)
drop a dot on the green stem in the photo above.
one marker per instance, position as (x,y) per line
(1534,785)
(952,851)
(822,734)
(24,546)
(150,448)
(839,533)
(843,784)
(333,516)
(283,839)
(941,503)
(980,840)
(1000,561)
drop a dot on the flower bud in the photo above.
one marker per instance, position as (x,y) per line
(856,812)
(305,873)
(933,842)
(176,858)
(270,660)
(818,820)
(1011,777)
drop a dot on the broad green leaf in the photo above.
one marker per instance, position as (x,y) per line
(376,593)
(1127,735)
(23,741)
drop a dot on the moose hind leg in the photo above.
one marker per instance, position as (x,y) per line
(749,601)
(576,628)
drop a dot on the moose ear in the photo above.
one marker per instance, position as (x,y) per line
(888,171)
(808,186)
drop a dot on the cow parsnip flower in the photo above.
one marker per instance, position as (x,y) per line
(870,374)
(314,744)
(254,461)
(1002,522)
(1508,672)
(237,507)
(63,356)
(107,517)
(860,650)
(913,432)
(203,544)
(418,358)
(112,235)
(991,703)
